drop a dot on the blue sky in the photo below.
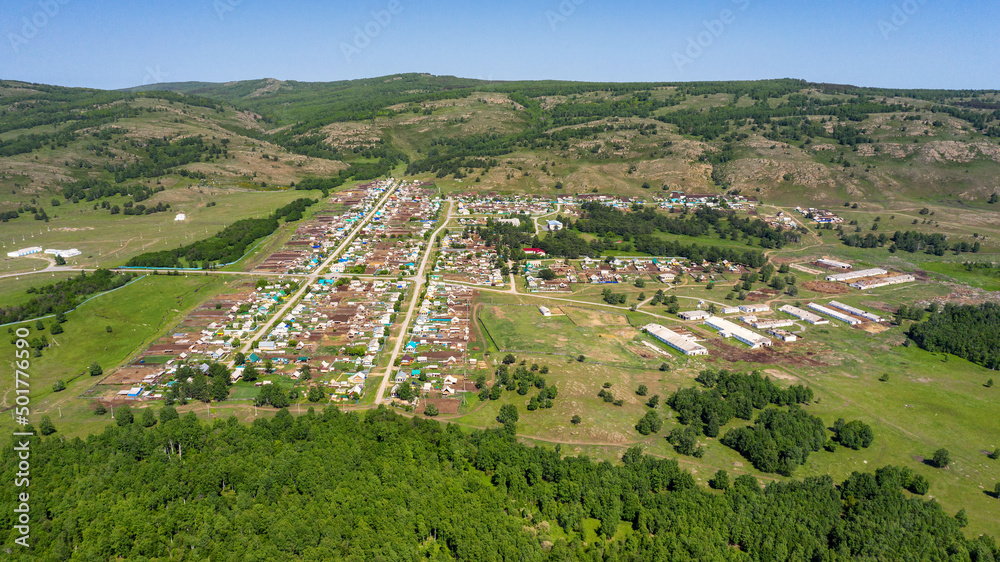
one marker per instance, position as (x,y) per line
(116,43)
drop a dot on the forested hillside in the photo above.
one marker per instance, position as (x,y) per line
(767,137)
(332,486)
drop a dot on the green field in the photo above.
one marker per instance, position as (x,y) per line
(928,402)
(85,340)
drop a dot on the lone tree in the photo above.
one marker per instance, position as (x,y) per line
(95,369)
(100,410)
(577,420)
(941,458)
(46,427)
(642,390)
(431,410)
(508,414)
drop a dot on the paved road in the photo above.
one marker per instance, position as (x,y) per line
(418,281)
(538,229)
(311,278)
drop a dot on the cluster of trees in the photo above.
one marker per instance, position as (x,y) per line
(607,222)
(904,312)
(727,395)
(613,298)
(521,379)
(274,396)
(855,434)
(316,487)
(649,423)
(720,121)
(933,243)
(65,295)
(227,246)
(95,190)
(158,156)
(698,253)
(191,383)
(779,440)
(968,331)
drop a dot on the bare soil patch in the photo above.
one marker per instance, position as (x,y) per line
(447,406)
(872,327)
(130,375)
(826,287)
(775,355)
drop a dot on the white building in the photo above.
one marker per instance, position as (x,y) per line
(694,314)
(834,314)
(24,252)
(783,335)
(834,263)
(554,225)
(771,323)
(684,344)
(729,330)
(180,217)
(883,282)
(754,308)
(856,311)
(545,311)
(72,252)
(856,274)
(804,315)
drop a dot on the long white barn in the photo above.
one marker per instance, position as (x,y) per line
(856,274)
(730,330)
(685,345)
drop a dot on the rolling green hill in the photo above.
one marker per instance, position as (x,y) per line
(782,139)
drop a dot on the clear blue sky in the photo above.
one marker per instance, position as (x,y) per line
(117,43)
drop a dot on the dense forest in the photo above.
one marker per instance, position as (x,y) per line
(65,295)
(968,331)
(227,246)
(344,486)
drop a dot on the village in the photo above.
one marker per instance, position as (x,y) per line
(336,337)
